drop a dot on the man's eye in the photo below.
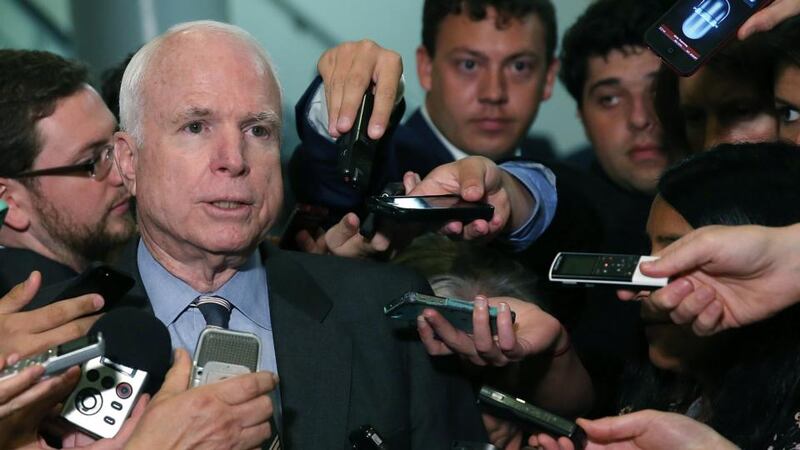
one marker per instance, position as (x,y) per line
(787,114)
(260,131)
(468,64)
(194,128)
(522,66)
(609,100)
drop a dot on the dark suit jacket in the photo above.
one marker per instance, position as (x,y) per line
(412,146)
(16,264)
(341,363)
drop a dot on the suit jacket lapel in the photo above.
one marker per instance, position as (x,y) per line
(313,354)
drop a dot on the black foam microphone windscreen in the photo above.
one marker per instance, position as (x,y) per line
(137,340)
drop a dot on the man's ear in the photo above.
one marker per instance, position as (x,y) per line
(550,78)
(424,68)
(17,197)
(125,156)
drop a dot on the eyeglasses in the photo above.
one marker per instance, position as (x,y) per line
(96,168)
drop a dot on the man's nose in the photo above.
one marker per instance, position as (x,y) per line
(493,88)
(228,155)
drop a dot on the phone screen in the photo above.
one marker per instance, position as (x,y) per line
(430,202)
(576,265)
(691,31)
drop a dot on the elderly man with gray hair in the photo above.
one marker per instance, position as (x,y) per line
(199,148)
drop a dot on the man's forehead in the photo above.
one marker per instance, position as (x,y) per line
(511,34)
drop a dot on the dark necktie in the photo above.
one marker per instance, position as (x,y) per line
(216,310)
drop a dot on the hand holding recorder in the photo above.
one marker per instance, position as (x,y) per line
(726,277)
(233,413)
(477,179)
(34,331)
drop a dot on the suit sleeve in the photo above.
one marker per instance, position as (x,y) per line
(312,168)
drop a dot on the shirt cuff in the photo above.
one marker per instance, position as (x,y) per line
(318,108)
(541,183)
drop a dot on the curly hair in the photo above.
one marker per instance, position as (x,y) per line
(606,25)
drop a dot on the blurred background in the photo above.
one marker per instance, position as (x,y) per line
(295,32)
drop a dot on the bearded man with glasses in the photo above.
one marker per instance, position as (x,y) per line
(67,206)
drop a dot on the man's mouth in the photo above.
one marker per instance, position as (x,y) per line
(646,152)
(492,124)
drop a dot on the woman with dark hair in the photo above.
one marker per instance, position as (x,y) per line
(744,383)
(786,40)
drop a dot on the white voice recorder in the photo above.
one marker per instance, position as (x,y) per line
(604,269)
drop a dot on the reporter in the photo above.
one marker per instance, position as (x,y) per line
(642,430)
(34,331)
(233,413)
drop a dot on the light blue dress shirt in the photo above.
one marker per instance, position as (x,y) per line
(247,291)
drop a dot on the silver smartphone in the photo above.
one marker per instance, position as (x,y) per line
(61,357)
(223,354)
(591,269)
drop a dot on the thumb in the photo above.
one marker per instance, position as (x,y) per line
(685,254)
(340,233)
(471,174)
(617,428)
(21,294)
(177,379)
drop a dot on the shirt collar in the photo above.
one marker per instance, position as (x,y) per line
(169,295)
(456,152)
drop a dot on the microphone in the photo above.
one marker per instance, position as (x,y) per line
(138,353)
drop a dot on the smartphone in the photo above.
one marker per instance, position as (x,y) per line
(303,217)
(61,357)
(222,354)
(357,151)
(97,279)
(531,417)
(429,208)
(693,30)
(591,269)
(3,211)
(458,312)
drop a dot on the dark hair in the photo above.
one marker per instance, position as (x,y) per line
(785,40)
(435,11)
(749,60)
(111,80)
(606,25)
(31,82)
(737,184)
(759,365)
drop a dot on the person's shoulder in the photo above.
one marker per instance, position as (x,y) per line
(367,271)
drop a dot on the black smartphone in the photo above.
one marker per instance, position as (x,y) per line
(693,30)
(304,217)
(97,279)
(591,269)
(458,312)
(357,151)
(532,418)
(429,208)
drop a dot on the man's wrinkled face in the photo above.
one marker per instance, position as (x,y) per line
(787,102)
(484,83)
(619,119)
(74,213)
(207,177)
(720,109)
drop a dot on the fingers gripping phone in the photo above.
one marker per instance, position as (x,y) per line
(101,279)
(429,208)
(61,357)
(591,269)
(357,151)
(531,417)
(693,30)
(458,312)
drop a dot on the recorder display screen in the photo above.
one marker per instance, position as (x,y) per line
(576,265)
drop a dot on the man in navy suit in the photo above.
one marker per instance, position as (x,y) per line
(485,68)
